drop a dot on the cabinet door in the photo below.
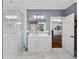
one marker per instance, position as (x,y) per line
(45,44)
(33,44)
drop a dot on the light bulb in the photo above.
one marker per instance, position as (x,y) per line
(38,16)
(42,16)
(34,16)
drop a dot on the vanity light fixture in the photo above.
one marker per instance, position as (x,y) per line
(38,16)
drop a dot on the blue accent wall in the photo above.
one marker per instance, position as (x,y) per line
(47,13)
(71,9)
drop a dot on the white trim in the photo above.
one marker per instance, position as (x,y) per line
(56,17)
(75,1)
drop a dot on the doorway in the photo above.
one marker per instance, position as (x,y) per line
(56,32)
(56,41)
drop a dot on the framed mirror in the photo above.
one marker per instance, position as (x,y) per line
(41,26)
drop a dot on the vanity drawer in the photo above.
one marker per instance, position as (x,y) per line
(39,43)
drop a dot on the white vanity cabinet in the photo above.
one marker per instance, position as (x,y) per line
(39,43)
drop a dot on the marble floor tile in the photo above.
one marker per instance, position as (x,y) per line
(56,53)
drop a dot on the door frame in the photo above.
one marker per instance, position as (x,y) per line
(51,26)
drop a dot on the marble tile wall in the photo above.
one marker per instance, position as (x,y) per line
(12,35)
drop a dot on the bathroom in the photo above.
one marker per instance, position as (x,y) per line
(32,29)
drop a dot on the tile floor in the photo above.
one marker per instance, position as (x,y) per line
(55,53)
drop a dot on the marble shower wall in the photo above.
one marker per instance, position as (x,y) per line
(12,35)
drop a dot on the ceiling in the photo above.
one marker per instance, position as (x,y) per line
(37,4)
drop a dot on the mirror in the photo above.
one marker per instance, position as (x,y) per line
(41,26)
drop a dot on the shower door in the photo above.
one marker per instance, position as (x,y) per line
(12,34)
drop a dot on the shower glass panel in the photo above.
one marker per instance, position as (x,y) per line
(12,34)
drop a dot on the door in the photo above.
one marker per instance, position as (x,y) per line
(68,33)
